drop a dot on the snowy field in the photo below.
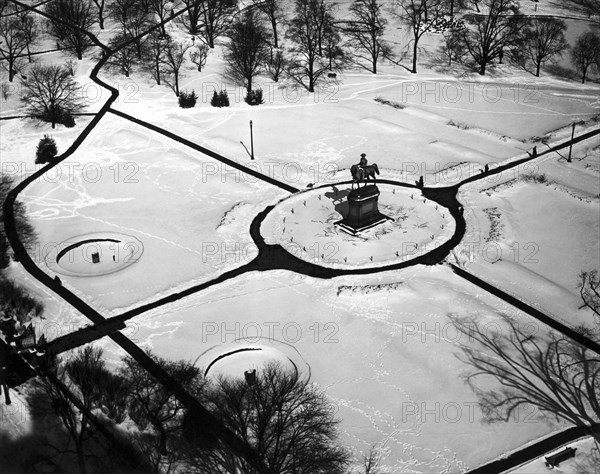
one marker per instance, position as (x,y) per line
(382,346)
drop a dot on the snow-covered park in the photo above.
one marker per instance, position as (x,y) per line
(167,220)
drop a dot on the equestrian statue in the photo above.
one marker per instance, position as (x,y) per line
(363,171)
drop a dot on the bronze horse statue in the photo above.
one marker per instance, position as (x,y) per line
(363,174)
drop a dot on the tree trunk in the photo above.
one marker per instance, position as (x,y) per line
(157,74)
(101,20)
(482,69)
(537,69)
(176,84)
(80,458)
(274,26)
(414,60)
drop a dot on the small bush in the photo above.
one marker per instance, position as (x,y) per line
(66,118)
(255,97)
(535,178)
(391,103)
(61,116)
(187,100)
(457,124)
(46,150)
(220,99)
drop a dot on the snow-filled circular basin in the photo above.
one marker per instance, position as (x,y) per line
(235,359)
(95,254)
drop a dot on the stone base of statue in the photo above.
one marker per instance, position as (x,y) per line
(363,211)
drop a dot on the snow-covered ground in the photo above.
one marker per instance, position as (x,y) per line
(382,345)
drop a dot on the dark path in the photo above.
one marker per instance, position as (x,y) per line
(201,417)
(275,257)
(533,451)
(206,151)
(270,257)
(553,323)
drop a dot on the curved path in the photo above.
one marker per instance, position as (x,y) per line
(202,416)
(270,257)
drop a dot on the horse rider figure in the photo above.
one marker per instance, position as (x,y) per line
(361,166)
(363,162)
(363,171)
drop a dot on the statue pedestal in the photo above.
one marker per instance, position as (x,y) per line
(363,212)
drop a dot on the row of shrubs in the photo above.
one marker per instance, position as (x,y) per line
(219,99)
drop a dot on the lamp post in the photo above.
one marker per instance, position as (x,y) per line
(572,136)
(251,142)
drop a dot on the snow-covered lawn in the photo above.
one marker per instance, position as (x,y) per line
(532,230)
(382,347)
(192,223)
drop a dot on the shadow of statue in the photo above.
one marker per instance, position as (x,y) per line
(339,199)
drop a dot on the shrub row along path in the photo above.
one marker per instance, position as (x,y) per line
(270,257)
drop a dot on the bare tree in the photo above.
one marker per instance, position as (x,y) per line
(25,230)
(323,15)
(551,372)
(161,9)
(273,11)
(452,47)
(157,412)
(589,289)
(199,55)
(371,461)
(191,20)
(306,66)
(17,304)
(172,61)
(420,16)
(586,53)
(51,94)
(543,39)
(367,32)
(30,29)
(334,49)
(591,7)
(276,65)
(154,48)
(100,4)
(13,43)
(125,58)
(216,18)
(77,376)
(247,51)
(285,420)
(69,24)
(453,6)
(133,18)
(492,33)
